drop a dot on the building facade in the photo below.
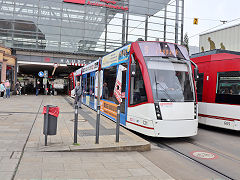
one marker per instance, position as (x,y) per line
(88,26)
(226,38)
(71,33)
(7,65)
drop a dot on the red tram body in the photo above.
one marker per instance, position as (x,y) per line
(218,88)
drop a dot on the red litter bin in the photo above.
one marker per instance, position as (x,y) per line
(52,119)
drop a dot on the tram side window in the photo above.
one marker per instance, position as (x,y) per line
(109,79)
(138,92)
(228,87)
(200,87)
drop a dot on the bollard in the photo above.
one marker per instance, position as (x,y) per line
(46,125)
(75,123)
(97,124)
(118,123)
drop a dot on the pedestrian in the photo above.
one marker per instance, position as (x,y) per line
(20,89)
(17,87)
(2,89)
(7,86)
(78,95)
(37,88)
(105,91)
(51,88)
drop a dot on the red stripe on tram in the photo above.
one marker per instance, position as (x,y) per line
(218,117)
(140,125)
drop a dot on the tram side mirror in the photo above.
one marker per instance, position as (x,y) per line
(196,73)
(133,69)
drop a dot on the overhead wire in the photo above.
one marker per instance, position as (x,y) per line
(213,28)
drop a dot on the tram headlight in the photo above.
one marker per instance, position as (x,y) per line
(158,112)
(195,110)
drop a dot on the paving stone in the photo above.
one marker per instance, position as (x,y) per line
(8,166)
(36,164)
(6,175)
(139,172)
(77,174)
(53,166)
(53,174)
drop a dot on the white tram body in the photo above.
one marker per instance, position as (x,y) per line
(133,77)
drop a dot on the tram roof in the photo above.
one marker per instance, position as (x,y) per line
(215,51)
(214,55)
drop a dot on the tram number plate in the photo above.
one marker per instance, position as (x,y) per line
(227,123)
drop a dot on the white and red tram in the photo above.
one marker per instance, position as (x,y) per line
(218,88)
(157,88)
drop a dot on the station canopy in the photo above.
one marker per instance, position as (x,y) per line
(85,26)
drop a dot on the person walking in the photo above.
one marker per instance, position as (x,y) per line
(2,89)
(37,88)
(78,95)
(51,88)
(17,87)
(105,91)
(7,86)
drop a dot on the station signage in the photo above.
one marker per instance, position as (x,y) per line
(40,74)
(55,60)
(103,3)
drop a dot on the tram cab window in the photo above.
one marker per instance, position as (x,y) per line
(228,87)
(200,87)
(138,92)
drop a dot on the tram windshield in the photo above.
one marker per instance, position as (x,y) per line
(171,79)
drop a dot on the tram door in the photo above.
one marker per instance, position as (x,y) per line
(123,106)
(91,91)
(84,87)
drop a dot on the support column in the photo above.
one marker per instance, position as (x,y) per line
(105,42)
(165,24)
(176,21)
(123,28)
(146,28)
(182,22)
(127,28)
(4,70)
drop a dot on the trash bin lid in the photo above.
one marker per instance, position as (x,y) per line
(53,110)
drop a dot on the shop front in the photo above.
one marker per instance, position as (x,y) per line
(7,66)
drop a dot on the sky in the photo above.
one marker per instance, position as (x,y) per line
(209,12)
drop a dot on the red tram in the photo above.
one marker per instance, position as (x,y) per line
(218,88)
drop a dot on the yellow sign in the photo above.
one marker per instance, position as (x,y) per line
(109,108)
(195,21)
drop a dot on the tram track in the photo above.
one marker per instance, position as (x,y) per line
(224,165)
(184,155)
(212,150)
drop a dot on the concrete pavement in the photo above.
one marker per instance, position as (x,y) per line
(23,155)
